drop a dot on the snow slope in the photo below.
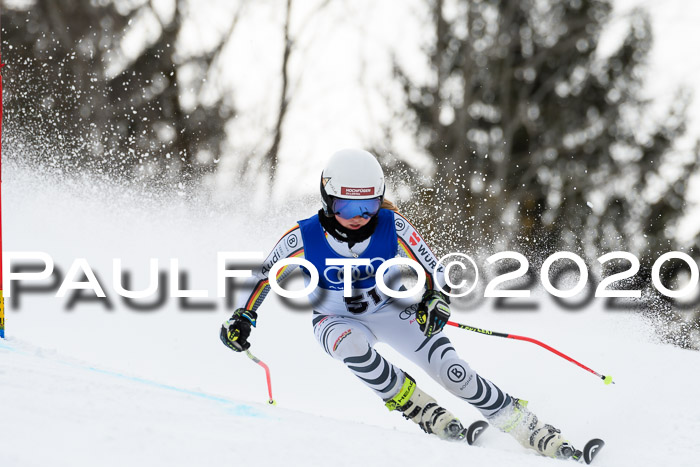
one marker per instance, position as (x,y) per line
(94,386)
(67,413)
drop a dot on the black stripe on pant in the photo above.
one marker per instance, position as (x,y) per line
(376,372)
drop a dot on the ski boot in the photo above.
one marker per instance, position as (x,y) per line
(422,409)
(529,431)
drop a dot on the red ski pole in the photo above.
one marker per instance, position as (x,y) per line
(270,401)
(606,379)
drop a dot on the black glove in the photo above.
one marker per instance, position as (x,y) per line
(236,330)
(433,312)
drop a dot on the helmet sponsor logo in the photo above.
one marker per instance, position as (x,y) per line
(414,240)
(349,191)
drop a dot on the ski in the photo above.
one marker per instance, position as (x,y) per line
(472,433)
(475,430)
(590,450)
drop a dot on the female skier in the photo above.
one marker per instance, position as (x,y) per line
(357,222)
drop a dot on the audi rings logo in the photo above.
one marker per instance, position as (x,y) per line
(292,240)
(335,274)
(456,373)
(408,312)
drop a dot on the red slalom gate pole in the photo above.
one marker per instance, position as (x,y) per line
(486,332)
(2,299)
(270,401)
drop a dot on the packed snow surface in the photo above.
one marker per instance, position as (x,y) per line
(116,386)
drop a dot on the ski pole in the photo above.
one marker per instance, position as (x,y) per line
(270,401)
(606,379)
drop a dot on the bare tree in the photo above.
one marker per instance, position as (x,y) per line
(271,156)
(84,102)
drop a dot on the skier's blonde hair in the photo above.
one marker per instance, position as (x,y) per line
(387,204)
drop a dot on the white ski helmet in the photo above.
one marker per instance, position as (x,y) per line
(351,174)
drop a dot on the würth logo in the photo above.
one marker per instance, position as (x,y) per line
(356,191)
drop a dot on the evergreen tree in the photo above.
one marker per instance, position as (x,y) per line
(540,143)
(537,139)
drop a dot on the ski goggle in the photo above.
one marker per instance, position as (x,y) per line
(349,208)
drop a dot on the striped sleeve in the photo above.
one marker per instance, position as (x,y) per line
(289,246)
(412,246)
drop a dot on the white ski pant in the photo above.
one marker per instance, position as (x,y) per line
(351,340)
